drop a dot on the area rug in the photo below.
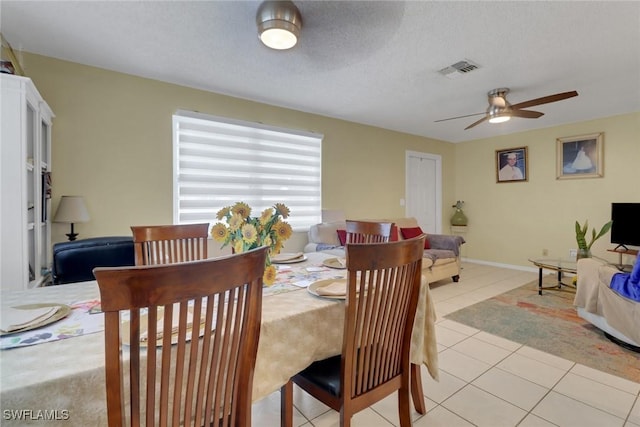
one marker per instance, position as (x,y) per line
(549,322)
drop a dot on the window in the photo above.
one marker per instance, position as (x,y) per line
(218,162)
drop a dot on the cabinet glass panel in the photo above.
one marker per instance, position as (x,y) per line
(31,137)
(31,252)
(44,145)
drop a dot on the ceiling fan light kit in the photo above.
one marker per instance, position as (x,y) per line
(279,24)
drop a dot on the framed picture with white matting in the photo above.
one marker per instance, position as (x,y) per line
(580,156)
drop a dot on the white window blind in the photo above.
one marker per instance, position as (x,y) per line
(219,161)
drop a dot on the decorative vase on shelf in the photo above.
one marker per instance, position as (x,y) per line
(459,218)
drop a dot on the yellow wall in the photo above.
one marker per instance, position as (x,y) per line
(112,144)
(510,222)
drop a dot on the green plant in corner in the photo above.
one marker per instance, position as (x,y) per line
(581,232)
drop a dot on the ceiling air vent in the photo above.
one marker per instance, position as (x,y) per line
(458,69)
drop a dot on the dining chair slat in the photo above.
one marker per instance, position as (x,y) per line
(196,373)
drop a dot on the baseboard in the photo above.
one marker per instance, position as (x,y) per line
(501,265)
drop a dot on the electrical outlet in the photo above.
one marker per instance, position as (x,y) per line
(573,253)
(545,252)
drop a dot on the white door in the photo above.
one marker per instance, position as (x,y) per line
(424,190)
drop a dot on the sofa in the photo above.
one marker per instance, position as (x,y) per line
(596,302)
(74,261)
(440,261)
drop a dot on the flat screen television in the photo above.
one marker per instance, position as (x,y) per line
(625,229)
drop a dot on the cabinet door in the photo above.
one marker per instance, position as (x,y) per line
(25,156)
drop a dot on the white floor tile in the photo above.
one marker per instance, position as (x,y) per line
(564,411)
(596,394)
(546,358)
(634,416)
(365,418)
(532,370)
(266,412)
(483,409)
(498,341)
(441,417)
(438,391)
(388,408)
(608,379)
(448,337)
(458,327)
(512,388)
(307,404)
(481,350)
(535,421)
(460,365)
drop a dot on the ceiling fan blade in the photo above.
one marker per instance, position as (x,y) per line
(459,117)
(477,123)
(527,114)
(545,100)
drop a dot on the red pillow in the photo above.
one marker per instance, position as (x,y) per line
(342,237)
(408,233)
(394,233)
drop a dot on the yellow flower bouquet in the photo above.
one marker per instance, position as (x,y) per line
(244,232)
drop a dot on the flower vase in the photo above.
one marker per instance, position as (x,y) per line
(459,218)
(583,253)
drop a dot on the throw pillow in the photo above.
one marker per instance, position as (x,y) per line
(342,237)
(409,233)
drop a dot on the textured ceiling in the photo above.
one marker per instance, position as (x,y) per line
(368,62)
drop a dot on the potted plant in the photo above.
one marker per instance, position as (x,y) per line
(584,249)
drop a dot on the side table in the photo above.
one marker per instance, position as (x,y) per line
(556,264)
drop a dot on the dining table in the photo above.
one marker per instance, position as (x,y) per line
(60,379)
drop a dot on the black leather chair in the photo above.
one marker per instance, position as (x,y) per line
(74,261)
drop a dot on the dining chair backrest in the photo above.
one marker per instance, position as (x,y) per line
(166,244)
(383,287)
(367,231)
(170,376)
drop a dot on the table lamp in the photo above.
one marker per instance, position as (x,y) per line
(71,210)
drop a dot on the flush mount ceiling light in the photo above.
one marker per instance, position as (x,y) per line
(279,24)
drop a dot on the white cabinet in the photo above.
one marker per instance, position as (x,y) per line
(25,178)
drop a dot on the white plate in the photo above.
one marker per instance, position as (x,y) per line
(334,263)
(288,261)
(62,312)
(313,288)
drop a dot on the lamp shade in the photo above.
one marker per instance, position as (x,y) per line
(71,210)
(279,24)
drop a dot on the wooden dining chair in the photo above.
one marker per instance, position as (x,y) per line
(156,373)
(367,232)
(383,284)
(166,244)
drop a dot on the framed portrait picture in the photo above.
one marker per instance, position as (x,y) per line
(580,156)
(512,165)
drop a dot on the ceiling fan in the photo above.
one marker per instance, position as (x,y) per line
(500,110)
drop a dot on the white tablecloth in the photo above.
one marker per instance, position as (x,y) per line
(67,376)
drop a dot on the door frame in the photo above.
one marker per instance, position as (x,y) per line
(438,183)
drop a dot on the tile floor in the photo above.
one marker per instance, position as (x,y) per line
(486,380)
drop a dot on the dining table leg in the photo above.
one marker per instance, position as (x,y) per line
(416,389)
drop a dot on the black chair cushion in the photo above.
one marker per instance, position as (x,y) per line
(325,374)
(74,261)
